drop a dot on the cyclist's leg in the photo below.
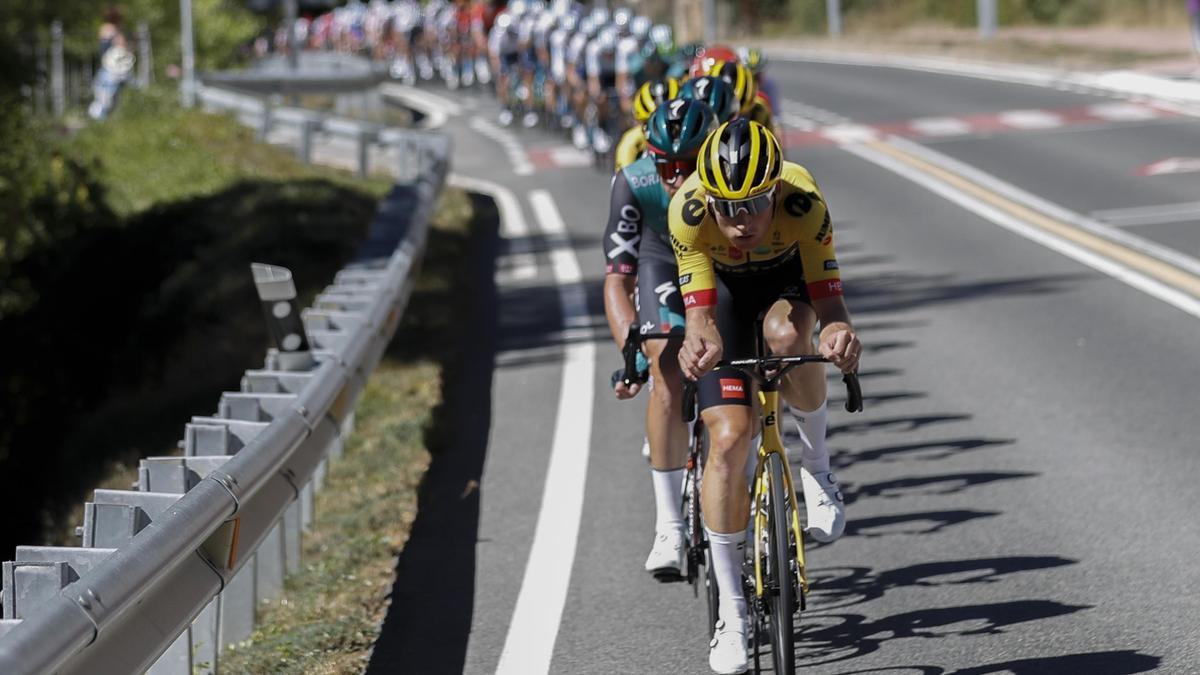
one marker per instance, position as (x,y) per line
(660,309)
(725,397)
(788,328)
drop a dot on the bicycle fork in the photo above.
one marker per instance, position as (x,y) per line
(772,444)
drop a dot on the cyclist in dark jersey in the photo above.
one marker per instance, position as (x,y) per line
(641,287)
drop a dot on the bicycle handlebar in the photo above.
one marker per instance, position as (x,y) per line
(757,368)
(629,374)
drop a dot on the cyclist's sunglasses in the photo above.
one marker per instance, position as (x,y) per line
(668,169)
(752,205)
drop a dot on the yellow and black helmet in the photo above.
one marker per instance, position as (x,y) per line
(741,79)
(653,94)
(739,160)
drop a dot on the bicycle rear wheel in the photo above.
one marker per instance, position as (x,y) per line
(779,572)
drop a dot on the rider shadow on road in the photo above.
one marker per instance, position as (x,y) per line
(899,291)
(831,638)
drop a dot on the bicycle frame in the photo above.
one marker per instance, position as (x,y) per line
(772,444)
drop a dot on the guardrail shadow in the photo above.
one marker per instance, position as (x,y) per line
(432,600)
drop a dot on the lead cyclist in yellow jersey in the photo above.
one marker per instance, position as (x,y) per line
(752,233)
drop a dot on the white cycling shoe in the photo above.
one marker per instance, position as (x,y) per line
(666,557)
(824,504)
(727,650)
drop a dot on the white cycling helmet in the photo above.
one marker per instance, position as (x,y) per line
(661,35)
(600,16)
(516,8)
(640,27)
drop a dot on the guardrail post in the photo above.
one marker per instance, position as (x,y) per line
(833,13)
(238,602)
(264,128)
(307,128)
(58,95)
(277,291)
(177,660)
(364,151)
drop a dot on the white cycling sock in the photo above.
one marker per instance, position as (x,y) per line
(814,456)
(668,491)
(727,556)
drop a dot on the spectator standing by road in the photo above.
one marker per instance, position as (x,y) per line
(116,65)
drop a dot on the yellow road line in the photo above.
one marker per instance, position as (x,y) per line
(1151,267)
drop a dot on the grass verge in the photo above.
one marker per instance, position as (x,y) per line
(330,613)
(136,319)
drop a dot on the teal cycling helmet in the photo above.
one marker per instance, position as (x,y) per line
(715,92)
(678,128)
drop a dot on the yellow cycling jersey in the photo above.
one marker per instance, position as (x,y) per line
(630,147)
(800,227)
(761,112)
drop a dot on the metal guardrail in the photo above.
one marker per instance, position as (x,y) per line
(172,572)
(265,117)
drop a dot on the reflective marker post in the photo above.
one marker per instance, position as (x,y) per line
(277,291)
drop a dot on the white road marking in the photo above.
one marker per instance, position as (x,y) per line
(1150,215)
(529,646)
(1123,112)
(512,147)
(435,108)
(522,265)
(1147,285)
(570,156)
(1030,119)
(1140,244)
(940,126)
(850,133)
(811,112)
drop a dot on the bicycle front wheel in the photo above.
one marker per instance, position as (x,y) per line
(779,582)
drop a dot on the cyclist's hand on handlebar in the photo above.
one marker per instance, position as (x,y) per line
(700,351)
(626,391)
(843,350)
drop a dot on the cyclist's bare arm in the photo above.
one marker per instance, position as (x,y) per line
(702,347)
(838,341)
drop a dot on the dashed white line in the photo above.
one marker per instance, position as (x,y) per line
(940,126)
(529,645)
(512,147)
(1030,119)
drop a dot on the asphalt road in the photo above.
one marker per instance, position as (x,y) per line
(1021,485)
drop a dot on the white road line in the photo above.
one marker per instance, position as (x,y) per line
(1030,119)
(529,646)
(522,265)
(512,147)
(1143,283)
(940,126)
(1123,112)
(850,133)
(1127,239)
(1150,215)
(435,108)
